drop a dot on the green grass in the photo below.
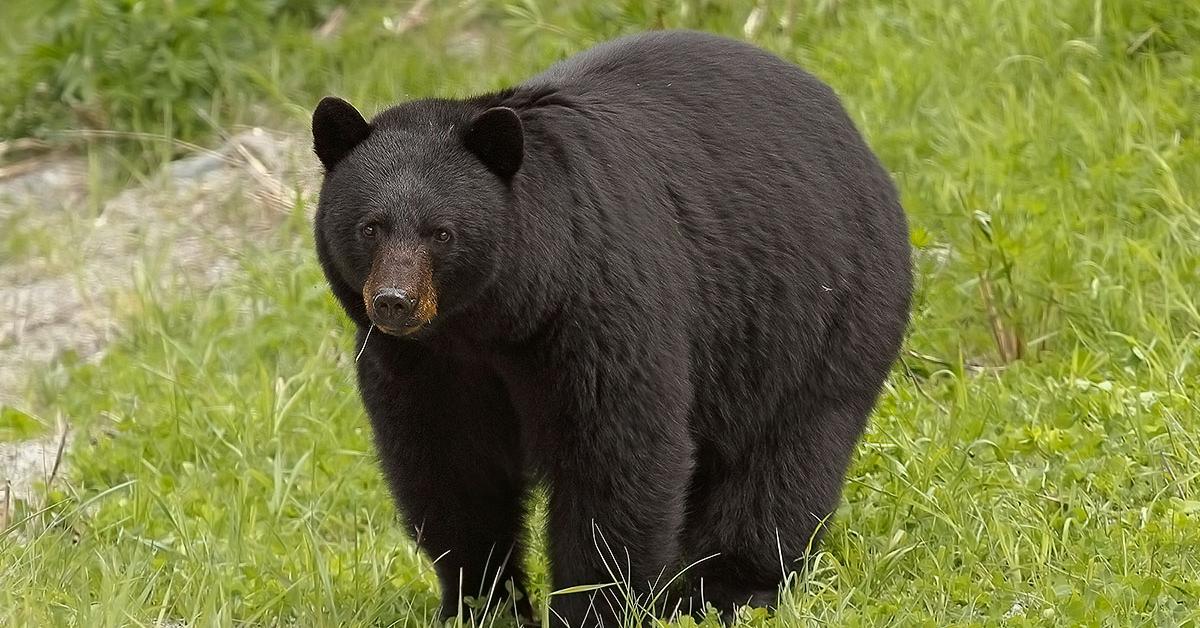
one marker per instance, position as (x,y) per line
(1049,157)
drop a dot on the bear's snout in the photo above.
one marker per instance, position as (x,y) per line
(399,292)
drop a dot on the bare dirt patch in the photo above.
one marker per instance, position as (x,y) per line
(64,268)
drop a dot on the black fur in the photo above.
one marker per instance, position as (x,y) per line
(677,311)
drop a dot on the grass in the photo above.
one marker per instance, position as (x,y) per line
(1035,459)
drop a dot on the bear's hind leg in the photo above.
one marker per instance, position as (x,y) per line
(762,508)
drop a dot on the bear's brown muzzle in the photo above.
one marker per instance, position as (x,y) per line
(399,292)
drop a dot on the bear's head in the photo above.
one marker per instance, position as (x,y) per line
(408,226)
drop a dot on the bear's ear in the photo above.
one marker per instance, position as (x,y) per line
(337,128)
(497,138)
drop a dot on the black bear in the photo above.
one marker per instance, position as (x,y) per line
(665,279)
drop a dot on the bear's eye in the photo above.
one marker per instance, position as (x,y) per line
(369,230)
(441,235)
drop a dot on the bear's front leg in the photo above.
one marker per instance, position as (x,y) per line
(618,471)
(447,441)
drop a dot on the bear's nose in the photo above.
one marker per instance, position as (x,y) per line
(394,306)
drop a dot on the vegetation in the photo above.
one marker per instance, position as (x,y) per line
(1034,460)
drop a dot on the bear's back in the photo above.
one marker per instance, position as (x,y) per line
(643,66)
(751,150)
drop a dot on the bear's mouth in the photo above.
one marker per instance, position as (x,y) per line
(407,328)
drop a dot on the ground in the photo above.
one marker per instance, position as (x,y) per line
(1034,459)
